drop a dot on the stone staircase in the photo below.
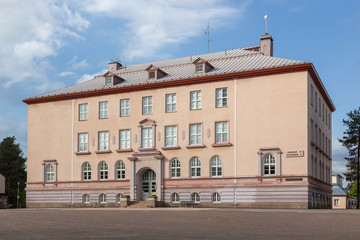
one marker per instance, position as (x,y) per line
(139,204)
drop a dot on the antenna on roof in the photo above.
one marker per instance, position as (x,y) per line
(116,60)
(207,33)
(265,17)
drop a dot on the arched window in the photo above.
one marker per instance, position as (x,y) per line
(216,197)
(86,171)
(175,169)
(118,197)
(50,172)
(102,198)
(216,167)
(103,170)
(269,164)
(195,197)
(195,167)
(175,198)
(120,170)
(86,198)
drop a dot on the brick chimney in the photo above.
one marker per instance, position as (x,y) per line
(266,45)
(113,66)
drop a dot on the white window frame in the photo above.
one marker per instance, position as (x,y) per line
(216,167)
(83,142)
(222,132)
(336,202)
(171,136)
(174,198)
(125,107)
(118,197)
(102,198)
(103,171)
(50,173)
(195,100)
(103,140)
(221,97)
(200,67)
(269,164)
(195,134)
(215,197)
(195,197)
(124,139)
(195,167)
(147,105)
(175,168)
(312,95)
(147,137)
(170,104)
(86,198)
(316,100)
(108,80)
(120,170)
(83,112)
(103,110)
(86,171)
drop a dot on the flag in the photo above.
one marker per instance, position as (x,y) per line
(265,17)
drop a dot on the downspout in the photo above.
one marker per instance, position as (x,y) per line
(72,150)
(235,140)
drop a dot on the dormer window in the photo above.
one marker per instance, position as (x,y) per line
(202,66)
(155,72)
(108,80)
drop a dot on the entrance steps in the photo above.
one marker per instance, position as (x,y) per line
(139,204)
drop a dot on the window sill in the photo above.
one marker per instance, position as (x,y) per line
(124,150)
(196,109)
(172,112)
(146,149)
(225,144)
(195,146)
(103,151)
(222,106)
(83,153)
(83,120)
(103,118)
(170,148)
(125,116)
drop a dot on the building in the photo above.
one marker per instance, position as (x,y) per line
(3,197)
(238,128)
(341,200)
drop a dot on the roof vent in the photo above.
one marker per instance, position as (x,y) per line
(266,45)
(114,65)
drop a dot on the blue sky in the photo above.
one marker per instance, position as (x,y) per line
(45,45)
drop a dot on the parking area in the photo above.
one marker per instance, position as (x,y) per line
(175,223)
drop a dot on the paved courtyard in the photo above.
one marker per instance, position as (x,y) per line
(178,224)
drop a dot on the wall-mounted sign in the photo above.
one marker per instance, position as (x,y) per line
(290,154)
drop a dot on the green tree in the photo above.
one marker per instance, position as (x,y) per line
(351,140)
(353,189)
(12,166)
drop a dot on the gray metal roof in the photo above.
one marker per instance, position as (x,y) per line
(337,190)
(230,61)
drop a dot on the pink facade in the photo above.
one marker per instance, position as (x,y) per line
(231,129)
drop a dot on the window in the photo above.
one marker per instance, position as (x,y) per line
(118,197)
(108,80)
(200,67)
(195,197)
(171,136)
(86,171)
(86,198)
(103,170)
(323,112)
(336,202)
(195,167)
(171,102)
(315,168)
(151,74)
(312,165)
(175,169)
(312,95)
(195,134)
(103,141)
(102,198)
(124,139)
(316,138)
(120,170)
(315,101)
(269,164)
(50,173)
(216,167)
(124,107)
(83,112)
(216,197)
(103,110)
(221,97)
(312,131)
(147,105)
(319,107)
(326,117)
(147,138)
(83,142)
(323,142)
(174,198)
(195,100)
(319,138)
(221,132)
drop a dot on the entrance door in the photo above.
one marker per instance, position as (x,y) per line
(148,184)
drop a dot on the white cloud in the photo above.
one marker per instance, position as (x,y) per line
(87,77)
(65,74)
(151,25)
(30,32)
(75,65)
